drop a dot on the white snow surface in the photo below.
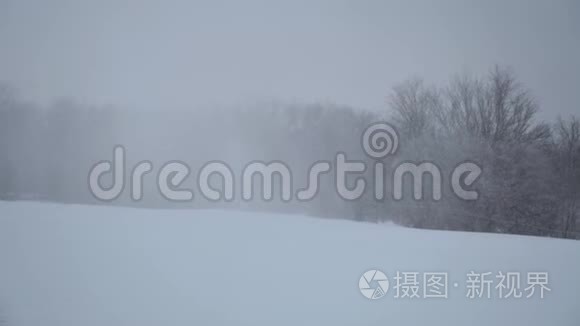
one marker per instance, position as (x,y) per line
(90,265)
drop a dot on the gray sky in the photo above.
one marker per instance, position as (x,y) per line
(161,54)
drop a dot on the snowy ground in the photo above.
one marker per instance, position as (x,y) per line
(80,266)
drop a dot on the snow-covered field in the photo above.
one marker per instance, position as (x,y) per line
(80,265)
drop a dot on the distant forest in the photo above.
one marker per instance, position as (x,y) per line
(530,184)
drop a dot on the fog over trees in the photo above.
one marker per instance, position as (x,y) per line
(531,169)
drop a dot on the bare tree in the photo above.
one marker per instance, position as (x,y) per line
(414,106)
(567,145)
(497,109)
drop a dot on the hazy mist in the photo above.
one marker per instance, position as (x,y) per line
(184,54)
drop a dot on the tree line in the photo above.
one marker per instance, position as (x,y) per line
(531,168)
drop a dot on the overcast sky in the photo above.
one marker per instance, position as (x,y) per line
(161,54)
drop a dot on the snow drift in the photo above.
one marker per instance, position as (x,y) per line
(81,265)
